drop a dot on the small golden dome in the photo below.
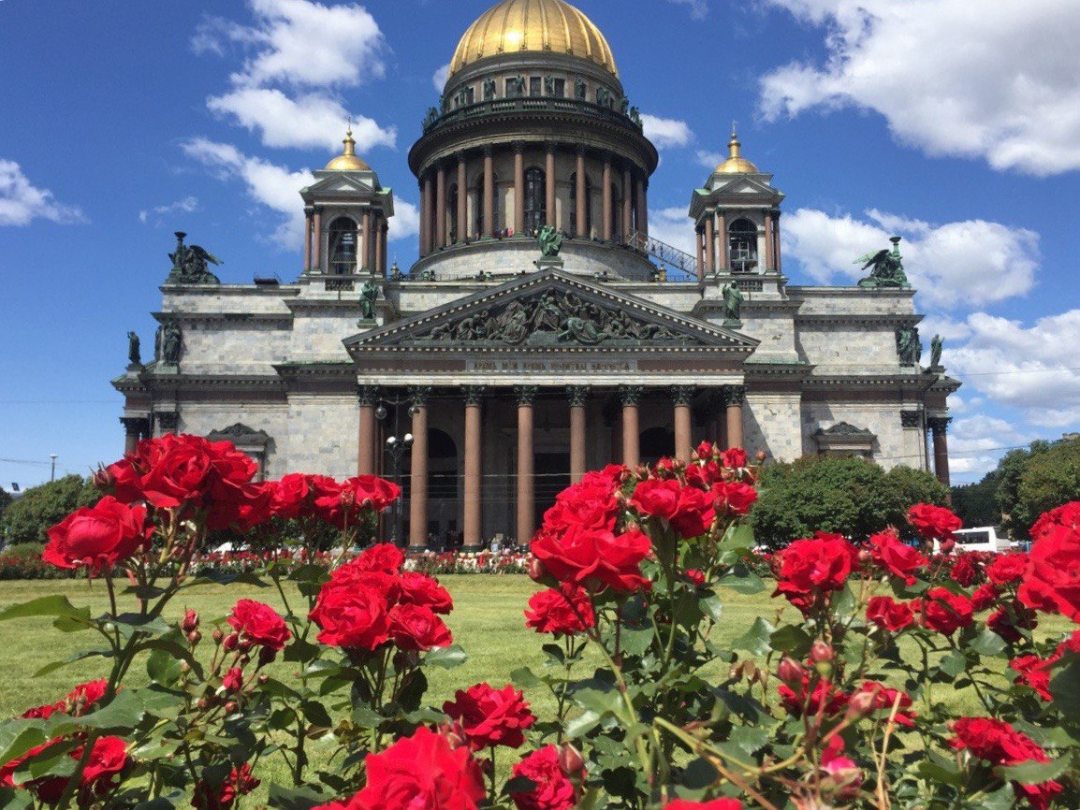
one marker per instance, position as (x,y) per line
(736,163)
(348,161)
(516,26)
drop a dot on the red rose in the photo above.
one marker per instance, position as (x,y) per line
(342,505)
(421,772)
(238,506)
(1000,744)
(491,716)
(594,558)
(1009,619)
(811,568)
(945,611)
(882,699)
(889,614)
(239,782)
(291,496)
(733,497)
(233,680)
(895,557)
(1052,580)
(79,701)
(588,504)
(49,788)
(99,537)
(370,492)
(933,522)
(1066,516)
(108,757)
(1007,568)
(984,596)
(260,623)
(565,610)
(351,617)
(715,804)
(385,557)
(552,788)
(704,450)
(735,458)
(797,697)
(418,628)
(965,570)
(420,589)
(1035,672)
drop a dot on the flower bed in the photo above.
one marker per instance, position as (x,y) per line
(835,702)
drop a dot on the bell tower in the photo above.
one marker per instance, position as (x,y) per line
(346,211)
(737,219)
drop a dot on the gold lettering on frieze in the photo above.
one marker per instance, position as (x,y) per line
(550,366)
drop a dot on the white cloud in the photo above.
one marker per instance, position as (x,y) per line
(1032,368)
(268,184)
(673,226)
(710,160)
(972,261)
(665,132)
(308,121)
(186,205)
(998,82)
(699,9)
(976,443)
(405,222)
(21,201)
(439,78)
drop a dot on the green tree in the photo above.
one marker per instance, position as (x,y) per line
(5,498)
(1010,469)
(976,504)
(27,519)
(850,496)
(1049,479)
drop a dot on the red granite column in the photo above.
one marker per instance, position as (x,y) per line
(681,396)
(418,471)
(627,205)
(471,522)
(307,241)
(631,431)
(579,395)
(384,232)
(710,244)
(425,216)
(440,207)
(608,202)
(380,247)
(939,427)
(700,243)
(642,206)
(365,452)
(776,237)
(364,246)
(519,189)
(734,398)
(580,203)
(526,492)
(462,199)
(551,214)
(770,258)
(317,236)
(489,192)
(722,254)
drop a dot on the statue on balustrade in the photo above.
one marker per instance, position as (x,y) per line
(134,355)
(489,89)
(886,268)
(550,242)
(190,264)
(369,294)
(937,342)
(580,90)
(908,345)
(171,343)
(733,301)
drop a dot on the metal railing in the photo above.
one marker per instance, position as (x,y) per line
(678,264)
(531,104)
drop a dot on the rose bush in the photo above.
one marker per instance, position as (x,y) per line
(845,696)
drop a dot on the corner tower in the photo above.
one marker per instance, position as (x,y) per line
(533,128)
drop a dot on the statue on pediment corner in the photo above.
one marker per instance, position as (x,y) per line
(134,354)
(550,242)
(190,264)
(886,268)
(937,343)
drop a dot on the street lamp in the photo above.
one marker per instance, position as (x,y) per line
(52,469)
(396,448)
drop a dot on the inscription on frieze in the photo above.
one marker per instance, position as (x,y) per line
(549,366)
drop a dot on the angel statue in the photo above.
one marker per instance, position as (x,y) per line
(886,268)
(937,342)
(190,264)
(550,242)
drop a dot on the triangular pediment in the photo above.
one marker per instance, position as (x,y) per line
(745,185)
(550,311)
(336,183)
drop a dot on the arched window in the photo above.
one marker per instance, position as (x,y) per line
(342,246)
(742,242)
(478,205)
(451,212)
(535,213)
(573,206)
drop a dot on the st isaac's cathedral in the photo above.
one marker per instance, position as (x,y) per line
(542,331)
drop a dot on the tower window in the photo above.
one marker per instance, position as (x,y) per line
(535,86)
(535,215)
(742,242)
(342,246)
(558,88)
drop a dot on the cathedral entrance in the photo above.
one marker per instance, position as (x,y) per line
(552,477)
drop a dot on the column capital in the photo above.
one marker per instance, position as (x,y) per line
(367,394)
(489,150)
(135,424)
(550,147)
(939,425)
(580,149)
(578,395)
(910,419)
(734,394)
(419,395)
(168,421)
(518,146)
(682,394)
(525,394)
(630,394)
(474,394)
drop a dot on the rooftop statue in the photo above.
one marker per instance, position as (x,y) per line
(733,301)
(908,345)
(190,264)
(369,294)
(550,242)
(937,342)
(172,344)
(886,268)
(134,355)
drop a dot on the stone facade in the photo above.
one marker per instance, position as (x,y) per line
(659,350)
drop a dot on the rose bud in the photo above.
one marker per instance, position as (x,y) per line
(231,707)
(245,645)
(760,456)
(790,671)
(865,557)
(537,572)
(263,679)
(821,651)
(203,704)
(194,637)
(947,546)
(266,655)
(217,635)
(190,621)
(231,641)
(861,704)
(570,760)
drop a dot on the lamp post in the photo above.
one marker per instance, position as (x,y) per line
(52,469)
(396,447)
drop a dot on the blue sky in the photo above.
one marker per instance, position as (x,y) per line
(954,124)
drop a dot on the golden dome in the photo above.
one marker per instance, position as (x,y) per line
(348,161)
(516,26)
(736,163)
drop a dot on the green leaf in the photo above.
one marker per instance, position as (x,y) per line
(952,663)
(302,651)
(749,739)
(582,724)
(525,678)
(792,640)
(122,714)
(47,606)
(18,736)
(316,714)
(756,639)
(699,774)
(163,668)
(742,580)
(844,603)
(1035,773)
(297,798)
(987,644)
(637,640)
(937,772)
(711,606)
(1065,687)
(555,652)
(446,657)
(82,655)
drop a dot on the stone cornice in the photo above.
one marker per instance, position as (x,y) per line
(885,318)
(796,291)
(224,317)
(272,290)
